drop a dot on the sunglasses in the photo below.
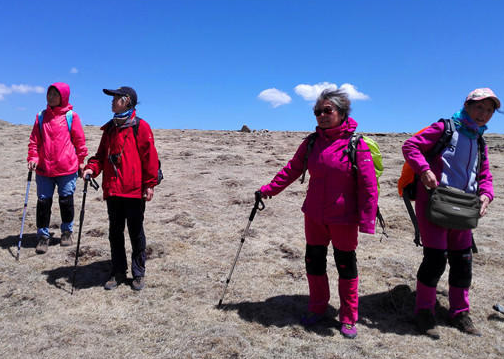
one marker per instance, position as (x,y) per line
(327,110)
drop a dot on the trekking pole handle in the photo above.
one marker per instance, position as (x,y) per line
(92,182)
(258,205)
(30,175)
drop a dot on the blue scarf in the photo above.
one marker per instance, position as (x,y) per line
(465,124)
(124,119)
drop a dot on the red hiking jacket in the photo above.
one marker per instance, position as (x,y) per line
(137,165)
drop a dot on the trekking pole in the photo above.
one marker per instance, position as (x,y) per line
(258,205)
(24,212)
(499,308)
(95,185)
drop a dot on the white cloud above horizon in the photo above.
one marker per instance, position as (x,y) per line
(74,70)
(311,92)
(21,89)
(275,97)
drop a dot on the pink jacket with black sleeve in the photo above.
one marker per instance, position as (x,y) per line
(336,194)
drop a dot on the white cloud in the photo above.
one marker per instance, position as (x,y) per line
(352,92)
(275,97)
(4,90)
(311,92)
(74,70)
(22,89)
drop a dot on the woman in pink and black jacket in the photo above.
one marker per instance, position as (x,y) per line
(456,166)
(340,201)
(56,151)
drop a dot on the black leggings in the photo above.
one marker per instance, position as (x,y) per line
(128,211)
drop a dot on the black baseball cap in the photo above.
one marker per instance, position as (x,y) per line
(123,91)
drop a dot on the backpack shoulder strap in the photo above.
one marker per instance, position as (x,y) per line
(444,140)
(40,117)
(309,147)
(136,126)
(69,119)
(351,150)
(481,147)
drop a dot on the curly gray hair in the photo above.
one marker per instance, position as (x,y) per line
(338,98)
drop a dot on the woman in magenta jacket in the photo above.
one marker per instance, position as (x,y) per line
(456,166)
(340,201)
(129,162)
(56,151)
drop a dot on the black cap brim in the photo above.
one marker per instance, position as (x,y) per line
(112,92)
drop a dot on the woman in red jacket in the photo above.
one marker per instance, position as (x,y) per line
(56,151)
(129,162)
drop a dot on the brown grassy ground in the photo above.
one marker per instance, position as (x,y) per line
(193,229)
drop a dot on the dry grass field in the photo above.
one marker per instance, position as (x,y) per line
(193,227)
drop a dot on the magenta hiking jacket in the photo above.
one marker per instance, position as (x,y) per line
(415,147)
(336,194)
(56,151)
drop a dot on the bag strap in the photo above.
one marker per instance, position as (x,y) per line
(309,147)
(412,215)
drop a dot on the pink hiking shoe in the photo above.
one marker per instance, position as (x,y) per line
(349,330)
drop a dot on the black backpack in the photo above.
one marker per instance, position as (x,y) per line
(160,172)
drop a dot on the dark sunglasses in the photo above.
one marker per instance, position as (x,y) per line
(327,110)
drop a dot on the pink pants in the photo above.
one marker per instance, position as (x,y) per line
(343,237)
(437,237)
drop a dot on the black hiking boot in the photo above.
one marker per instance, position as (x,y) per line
(464,323)
(426,323)
(114,281)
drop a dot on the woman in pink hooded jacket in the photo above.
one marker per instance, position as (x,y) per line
(56,151)
(456,166)
(340,201)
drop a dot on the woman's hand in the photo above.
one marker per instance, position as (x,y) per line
(86,173)
(428,179)
(32,165)
(485,201)
(148,194)
(263,196)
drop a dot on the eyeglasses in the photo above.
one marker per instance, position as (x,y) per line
(327,110)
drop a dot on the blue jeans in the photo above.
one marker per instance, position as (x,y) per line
(45,190)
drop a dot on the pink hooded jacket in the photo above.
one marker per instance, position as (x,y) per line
(335,195)
(56,151)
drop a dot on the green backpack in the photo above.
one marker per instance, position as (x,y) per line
(351,152)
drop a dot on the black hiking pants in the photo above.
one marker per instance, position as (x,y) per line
(128,211)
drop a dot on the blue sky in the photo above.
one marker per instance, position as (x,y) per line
(221,64)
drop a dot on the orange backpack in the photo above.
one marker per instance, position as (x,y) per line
(407,174)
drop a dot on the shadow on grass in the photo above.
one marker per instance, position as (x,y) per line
(282,311)
(29,240)
(86,276)
(389,312)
